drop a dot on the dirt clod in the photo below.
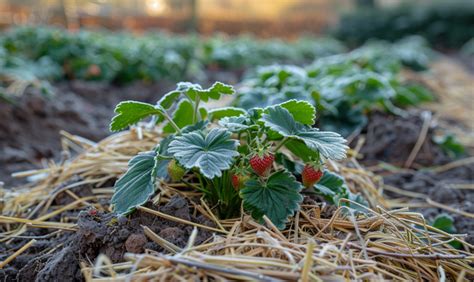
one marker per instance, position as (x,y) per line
(100,233)
(174,235)
(135,243)
(62,266)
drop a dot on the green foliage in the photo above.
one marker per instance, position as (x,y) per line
(444,23)
(131,112)
(212,152)
(182,117)
(18,74)
(235,124)
(244,51)
(344,87)
(450,145)
(195,92)
(278,197)
(445,223)
(333,187)
(123,57)
(219,113)
(329,144)
(301,111)
(136,185)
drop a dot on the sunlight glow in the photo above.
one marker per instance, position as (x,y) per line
(155,7)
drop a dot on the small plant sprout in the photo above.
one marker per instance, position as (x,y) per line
(234,157)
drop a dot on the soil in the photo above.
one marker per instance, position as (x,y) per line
(384,143)
(58,259)
(29,131)
(391,139)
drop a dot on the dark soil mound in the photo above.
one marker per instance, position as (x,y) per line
(99,233)
(392,138)
(29,131)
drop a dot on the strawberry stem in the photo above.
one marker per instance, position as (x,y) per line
(170,120)
(196,110)
(281,144)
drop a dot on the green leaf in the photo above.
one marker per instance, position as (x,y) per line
(200,125)
(329,144)
(411,95)
(255,114)
(346,119)
(290,165)
(218,89)
(450,145)
(131,112)
(168,99)
(333,187)
(161,164)
(203,112)
(137,185)
(183,116)
(235,124)
(444,222)
(302,111)
(211,153)
(330,186)
(278,198)
(280,120)
(302,151)
(195,90)
(358,198)
(226,112)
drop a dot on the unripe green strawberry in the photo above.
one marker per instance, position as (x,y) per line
(238,180)
(311,175)
(262,164)
(175,171)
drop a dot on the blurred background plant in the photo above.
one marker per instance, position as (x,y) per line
(445,24)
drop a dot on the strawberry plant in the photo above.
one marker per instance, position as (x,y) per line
(17,74)
(344,87)
(232,156)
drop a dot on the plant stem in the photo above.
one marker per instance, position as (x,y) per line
(196,109)
(171,121)
(281,144)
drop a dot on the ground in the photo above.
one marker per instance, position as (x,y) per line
(31,132)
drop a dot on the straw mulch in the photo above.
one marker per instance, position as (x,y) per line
(321,242)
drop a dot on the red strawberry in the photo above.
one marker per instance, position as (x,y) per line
(92,212)
(311,175)
(238,180)
(262,164)
(93,71)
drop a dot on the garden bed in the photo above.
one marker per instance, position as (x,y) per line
(61,222)
(343,245)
